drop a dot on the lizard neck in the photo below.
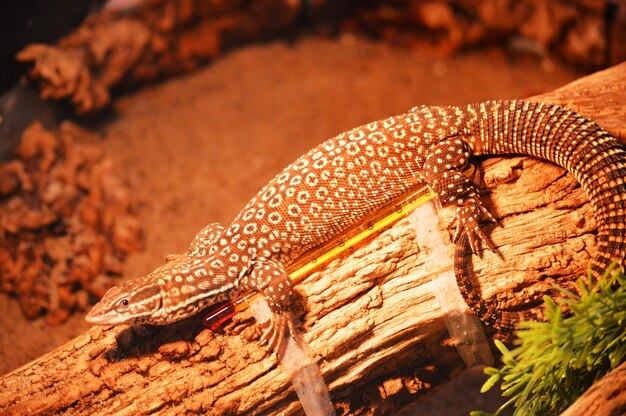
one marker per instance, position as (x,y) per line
(197,283)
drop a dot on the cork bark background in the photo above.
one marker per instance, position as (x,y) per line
(371,318)
(113,51)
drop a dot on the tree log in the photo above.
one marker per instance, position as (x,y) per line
(607,397)
(371,318)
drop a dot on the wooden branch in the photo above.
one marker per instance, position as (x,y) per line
(371,318)
(607,397)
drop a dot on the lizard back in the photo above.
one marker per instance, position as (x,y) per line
(346,178)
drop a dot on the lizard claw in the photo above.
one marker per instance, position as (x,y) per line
(467,219)
(275,332)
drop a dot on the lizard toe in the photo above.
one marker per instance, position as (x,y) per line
(467,220)
(275,331)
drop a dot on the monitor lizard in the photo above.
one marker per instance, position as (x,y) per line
(346,178)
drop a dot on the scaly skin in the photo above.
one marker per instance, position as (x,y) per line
(346,178)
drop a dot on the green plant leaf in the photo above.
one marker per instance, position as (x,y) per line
(490,383)
(554,362)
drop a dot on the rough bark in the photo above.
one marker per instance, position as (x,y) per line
(578,31)
(607,397)
(112,50)
(371,318)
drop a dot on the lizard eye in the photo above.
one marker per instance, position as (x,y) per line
(124,302)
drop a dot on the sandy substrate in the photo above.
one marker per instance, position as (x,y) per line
(196,148)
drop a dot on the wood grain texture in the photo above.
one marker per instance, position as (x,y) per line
(371,317)
(607,397)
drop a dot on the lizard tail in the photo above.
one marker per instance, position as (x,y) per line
(504,321)
(595,158)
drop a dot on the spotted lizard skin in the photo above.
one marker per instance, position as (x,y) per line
(348,177)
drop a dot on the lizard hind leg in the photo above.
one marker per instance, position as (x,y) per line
(443,170)
(272,281)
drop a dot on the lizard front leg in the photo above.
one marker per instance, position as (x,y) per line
(198,248)
(271,279)
(443,170)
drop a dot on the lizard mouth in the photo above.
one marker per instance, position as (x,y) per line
(115,309)
(97,318)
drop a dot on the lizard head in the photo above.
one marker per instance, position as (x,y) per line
(133,302)
(156,298)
